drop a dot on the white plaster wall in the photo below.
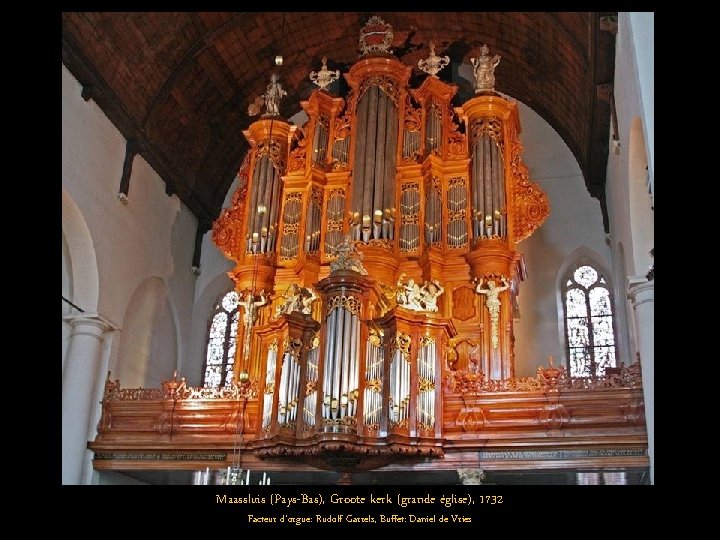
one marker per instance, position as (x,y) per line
(640,26)
(575,221)
(153,236)
(147,349)
(629,106)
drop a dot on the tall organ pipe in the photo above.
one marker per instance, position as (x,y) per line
(369,181)
(361,143)
(380,141)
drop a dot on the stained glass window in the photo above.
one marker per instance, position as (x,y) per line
(220,356)
(589,326)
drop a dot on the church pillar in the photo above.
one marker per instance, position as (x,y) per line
(641,293)
(79,388)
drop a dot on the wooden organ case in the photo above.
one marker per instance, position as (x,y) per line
(378,265)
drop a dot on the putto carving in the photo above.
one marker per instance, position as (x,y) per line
(433,63)
(484,70)
(324,77)
(271,98)
(416,297)
(296,299)
(376,36)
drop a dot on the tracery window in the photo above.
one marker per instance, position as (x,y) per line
(220,356)
(589,324)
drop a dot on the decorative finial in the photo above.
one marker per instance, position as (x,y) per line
(375,36)
(484,70)
(324,77)
(271,99)
(433,63)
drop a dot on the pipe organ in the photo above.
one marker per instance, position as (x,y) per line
(401,211)
(377,263)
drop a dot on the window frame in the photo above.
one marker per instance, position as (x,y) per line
(228,363)
(568,275)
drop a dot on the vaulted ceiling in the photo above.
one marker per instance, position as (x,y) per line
(178,85)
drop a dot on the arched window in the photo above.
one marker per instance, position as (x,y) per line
(220,356)
(589,324)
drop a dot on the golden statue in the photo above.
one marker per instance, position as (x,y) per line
(493,304)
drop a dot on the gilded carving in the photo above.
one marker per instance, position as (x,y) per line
(349,303)
(342,126)
(296,159)
(466,382)
(376,36)
(456,142)
(227,229)
(531,207)
(492,302)
(413,115)
(274,149)
(348,257)
(402,343)
(386,84)
(488,125)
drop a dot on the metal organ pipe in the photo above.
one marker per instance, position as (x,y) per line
(338,358)
(501,193)
(379,172)
(261,200)
(354,363)
(310,400)
(477,190)
(328,363)
(269,383)
(487,184)
(495,187)
(257,174)
(369,180)
(361,144)
(389,173)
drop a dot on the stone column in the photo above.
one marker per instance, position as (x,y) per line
(641,293)
(79,388)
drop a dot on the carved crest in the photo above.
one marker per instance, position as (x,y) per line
(375,36)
